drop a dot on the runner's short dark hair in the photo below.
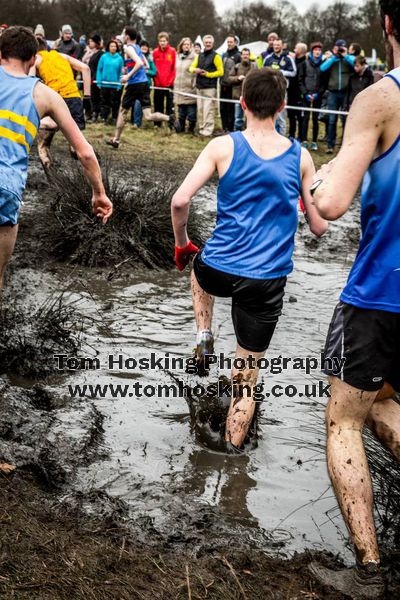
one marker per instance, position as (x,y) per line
(391,8)
(264,92)
(131,32)
(18,42)
(42,44)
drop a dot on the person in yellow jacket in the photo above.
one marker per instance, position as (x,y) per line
(55,70)
(208,67)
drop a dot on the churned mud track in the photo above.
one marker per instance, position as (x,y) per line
(60,537)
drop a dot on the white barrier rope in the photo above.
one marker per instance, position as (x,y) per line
(226,100)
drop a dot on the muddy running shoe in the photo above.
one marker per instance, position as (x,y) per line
(314,146)
(361,581)
(329,151)
(113,143)
(204,347)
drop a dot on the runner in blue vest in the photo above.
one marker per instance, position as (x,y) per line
(365,328)
(137,88)
(23,102)
(249,255)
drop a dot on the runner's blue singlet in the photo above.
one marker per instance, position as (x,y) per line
(140,76)
(257,213)
(374,280)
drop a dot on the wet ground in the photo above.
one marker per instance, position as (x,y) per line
(151,454)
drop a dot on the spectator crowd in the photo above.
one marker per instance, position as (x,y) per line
(191,82)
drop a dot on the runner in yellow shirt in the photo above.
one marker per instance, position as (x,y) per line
(55,70)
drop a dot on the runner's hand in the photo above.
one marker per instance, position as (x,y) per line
(124,78)
(102,207)
(183,255)
(324,171)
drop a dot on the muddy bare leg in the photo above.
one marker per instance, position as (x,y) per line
(384,420)
(44,139)
(347,464)
(8,235)
(203,305)
(121,120)
(242,407)
(156,116)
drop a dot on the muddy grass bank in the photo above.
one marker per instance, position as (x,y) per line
(52,551)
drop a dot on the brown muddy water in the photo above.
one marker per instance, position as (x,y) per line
(277,495)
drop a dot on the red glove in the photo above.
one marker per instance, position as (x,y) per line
(182,255)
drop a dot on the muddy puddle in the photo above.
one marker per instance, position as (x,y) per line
(276,495)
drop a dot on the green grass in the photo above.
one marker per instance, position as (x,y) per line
(159,144)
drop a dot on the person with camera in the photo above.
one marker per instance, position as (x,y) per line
(338,67)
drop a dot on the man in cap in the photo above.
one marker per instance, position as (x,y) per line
(338,67)
(66,43)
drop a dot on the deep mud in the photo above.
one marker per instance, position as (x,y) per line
(139,498)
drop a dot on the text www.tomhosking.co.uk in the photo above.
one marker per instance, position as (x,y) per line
(168,363)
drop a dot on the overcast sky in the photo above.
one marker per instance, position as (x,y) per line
(301,5)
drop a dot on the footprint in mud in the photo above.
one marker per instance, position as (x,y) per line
(208,413)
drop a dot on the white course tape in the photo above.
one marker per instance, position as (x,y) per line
(226,100)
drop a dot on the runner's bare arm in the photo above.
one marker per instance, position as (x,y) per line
(317,224)
(137,60)
(48,102)
(363,132)
(32,70)
(80,66)
(204,168)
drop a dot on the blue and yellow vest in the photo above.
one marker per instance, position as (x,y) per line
(19,122)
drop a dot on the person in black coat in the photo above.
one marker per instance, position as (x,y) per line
(312,85)
(362,78)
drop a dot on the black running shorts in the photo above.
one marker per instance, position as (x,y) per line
(75,106)
(136,91)
(256,303)
(369,341)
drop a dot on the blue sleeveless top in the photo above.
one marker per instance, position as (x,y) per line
(374,280)
(140,76)
(19,122)
(256,213)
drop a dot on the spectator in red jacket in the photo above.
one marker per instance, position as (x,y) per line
(164,57)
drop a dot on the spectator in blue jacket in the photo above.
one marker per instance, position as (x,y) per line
(108,76)
(281,61)
(339,67)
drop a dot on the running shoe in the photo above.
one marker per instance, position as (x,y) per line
(172,124)
(329,151)
(314,146)
(362,581)
(304,145)
(204,347)
(114,143)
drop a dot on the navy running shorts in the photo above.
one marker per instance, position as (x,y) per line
(367,344)
(136,91)
(10,206)
(75,106)
(256,303)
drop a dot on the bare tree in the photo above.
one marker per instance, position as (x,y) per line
(177,17)
(250,21)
